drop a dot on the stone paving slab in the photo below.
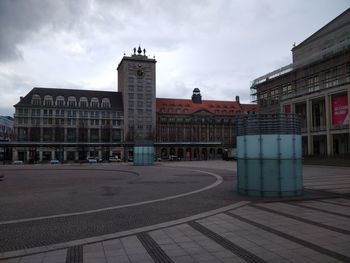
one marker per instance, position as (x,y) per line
(183,243)
(254,231)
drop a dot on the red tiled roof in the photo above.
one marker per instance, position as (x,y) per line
(249,107)
(186,106)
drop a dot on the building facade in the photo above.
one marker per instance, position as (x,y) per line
(196,129)
(68,124)
(7,134)
(137,84)
(316,86)
(72,125)
(6,128)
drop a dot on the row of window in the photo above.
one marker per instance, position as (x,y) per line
(71,134)
(83,102)
(69,121)
(188,105)
(189,120)
(329,78)
(178,110)
(69,113)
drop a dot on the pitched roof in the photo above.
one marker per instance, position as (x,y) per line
(114,97)
(186,106)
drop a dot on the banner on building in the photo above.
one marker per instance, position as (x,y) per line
(340,110)
(287,109)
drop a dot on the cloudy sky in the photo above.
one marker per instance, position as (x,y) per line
(217,46)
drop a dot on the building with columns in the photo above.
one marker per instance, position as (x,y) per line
(72,125)
(316,86)
(68,124)
(196,129)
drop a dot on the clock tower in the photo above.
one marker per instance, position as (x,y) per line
(137,83)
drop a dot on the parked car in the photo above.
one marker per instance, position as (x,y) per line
(54,162)
(18,162)
(114,159)
(174,158)
(91,160)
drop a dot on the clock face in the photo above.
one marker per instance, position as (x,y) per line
(140,71)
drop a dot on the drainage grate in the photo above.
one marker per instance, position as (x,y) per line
(153,249)
(293,239)
(75,254)
(237,250)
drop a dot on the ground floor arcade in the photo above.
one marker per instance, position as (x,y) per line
(189,151)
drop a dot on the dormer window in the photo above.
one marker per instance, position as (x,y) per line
(36,99)
(83,102)
(72,102)
(105,103)
(48,101)
(94,103)
(60,101)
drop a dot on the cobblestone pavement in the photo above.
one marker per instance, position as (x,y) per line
(230,228)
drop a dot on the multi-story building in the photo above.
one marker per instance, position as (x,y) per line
(72,125)
(137,84)
(68,124)
(196,129)
(6,134)
(316,86)
(6,128)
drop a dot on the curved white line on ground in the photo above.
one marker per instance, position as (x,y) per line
(218,181)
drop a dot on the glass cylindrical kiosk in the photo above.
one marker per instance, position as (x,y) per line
(269,155)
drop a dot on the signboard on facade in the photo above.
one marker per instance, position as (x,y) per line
(340,110)
(287,109)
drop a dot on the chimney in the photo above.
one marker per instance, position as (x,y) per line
(237,99)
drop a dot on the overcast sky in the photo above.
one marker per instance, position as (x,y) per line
(216,46)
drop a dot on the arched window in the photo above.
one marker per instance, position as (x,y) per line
(48,101)
(72,101)
(94,102)
(36,99)
(60,101)
(83,102)
(105,103)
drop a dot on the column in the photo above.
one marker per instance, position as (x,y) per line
(208,131)
(14,154)
(349,122)
(65,134)
(52,155)
(40,155)
(329,136)
(168,132)
(64,154)
(292,108)
(310,149)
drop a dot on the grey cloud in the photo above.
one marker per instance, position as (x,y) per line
(19,20)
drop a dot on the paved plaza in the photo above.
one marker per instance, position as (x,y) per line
(170,212)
